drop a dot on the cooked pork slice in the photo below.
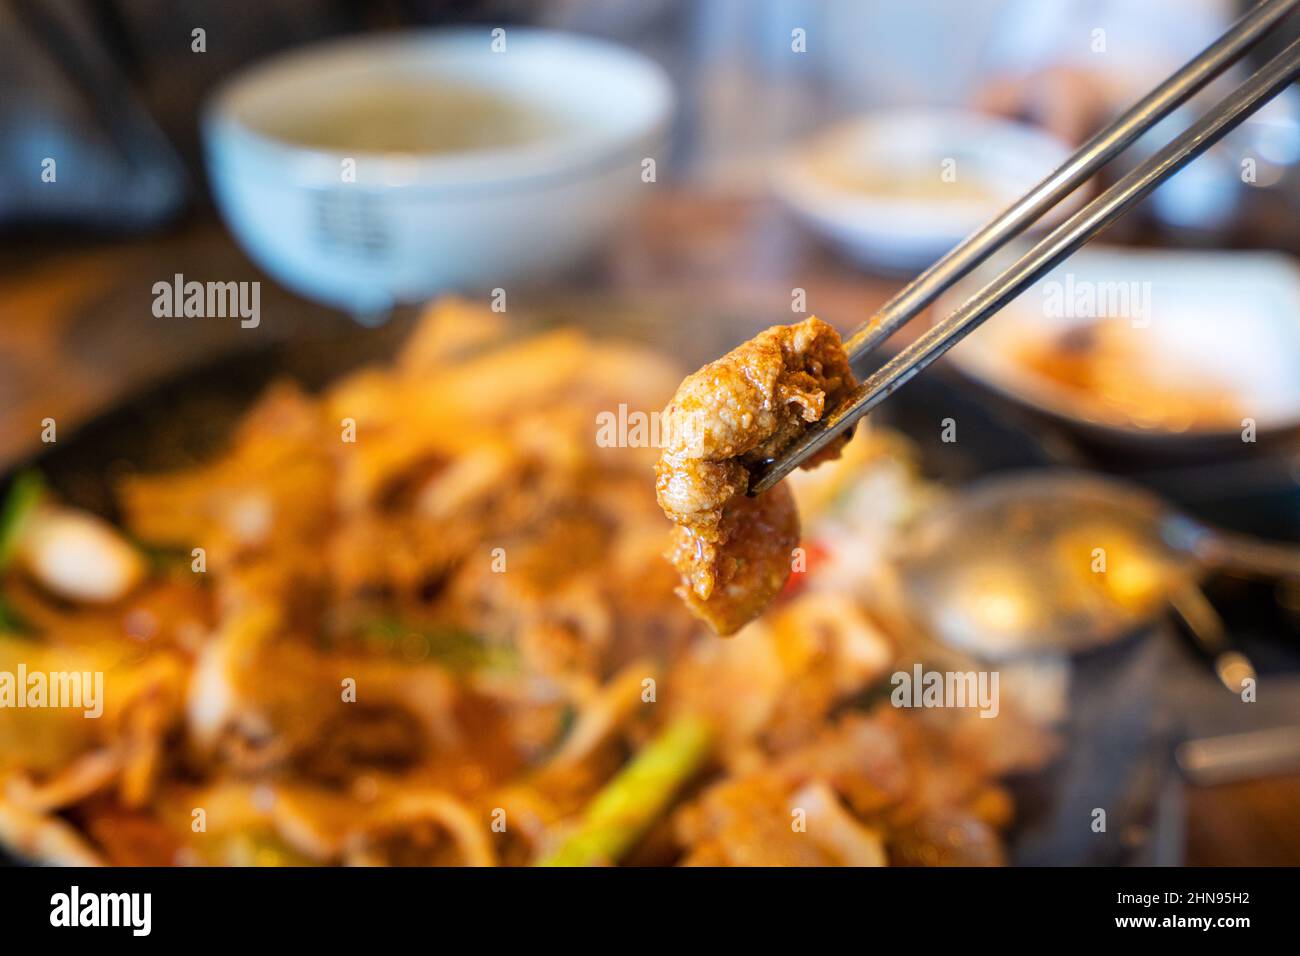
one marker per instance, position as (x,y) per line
(733,551)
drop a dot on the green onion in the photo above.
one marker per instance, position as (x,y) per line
(458,650)
(25,491)
(10,620)
(620,814)
(163,558)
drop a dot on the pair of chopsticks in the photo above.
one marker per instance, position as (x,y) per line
(1062,241)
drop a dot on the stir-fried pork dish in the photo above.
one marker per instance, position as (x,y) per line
(423,618)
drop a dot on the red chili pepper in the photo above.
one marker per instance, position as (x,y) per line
(813,553)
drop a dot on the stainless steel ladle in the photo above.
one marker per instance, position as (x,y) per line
(1066,561)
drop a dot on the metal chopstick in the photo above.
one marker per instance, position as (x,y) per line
(1094,154)
(1074,232)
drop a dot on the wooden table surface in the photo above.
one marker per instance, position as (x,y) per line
(77,334)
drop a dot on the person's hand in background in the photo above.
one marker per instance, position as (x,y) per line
(1070,67)
(1070,102)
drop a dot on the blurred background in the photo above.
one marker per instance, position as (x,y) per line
(708,165)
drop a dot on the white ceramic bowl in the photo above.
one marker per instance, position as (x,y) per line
(874,186)
(1220,322)
(522,163)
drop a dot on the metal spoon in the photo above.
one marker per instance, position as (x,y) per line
(1066,561)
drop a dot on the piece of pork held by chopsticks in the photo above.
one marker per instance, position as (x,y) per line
(734,551)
